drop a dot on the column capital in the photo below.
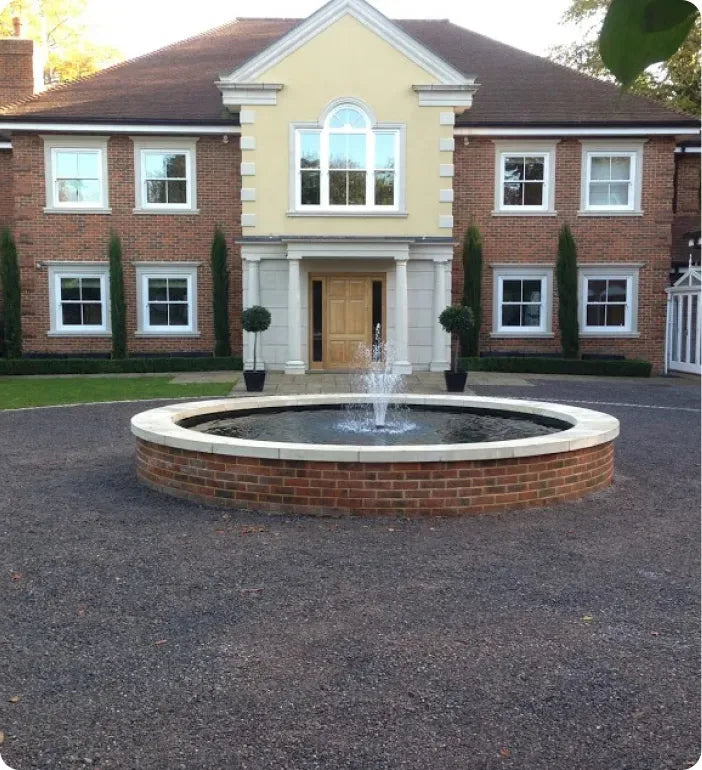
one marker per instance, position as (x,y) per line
(442,259)
(250,257)
(402,259)
(294,256)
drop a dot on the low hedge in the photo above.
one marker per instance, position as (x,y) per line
(116,366)
(535,365)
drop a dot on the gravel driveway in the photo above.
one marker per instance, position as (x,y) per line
(138,631)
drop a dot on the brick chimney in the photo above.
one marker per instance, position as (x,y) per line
(17,75)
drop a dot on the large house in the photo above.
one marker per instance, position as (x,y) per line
(344,156)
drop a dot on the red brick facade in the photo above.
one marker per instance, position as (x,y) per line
(159,237)
(686,204)
(6,188)
(534,239)
(372,489)
(43,237)
(16,69)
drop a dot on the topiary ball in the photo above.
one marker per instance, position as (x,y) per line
(255,319)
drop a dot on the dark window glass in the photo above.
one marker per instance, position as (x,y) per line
(384,188)
(316,320)
(512,291)
(616,315)
(92,314)
(309,188)
(531,315)
(71,314)
(510,315)
(177,192)
(155,191)
(377,315)
(70,288)
(178,314)
(533,193)
(596,315)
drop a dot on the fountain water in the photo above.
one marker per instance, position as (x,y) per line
(377,378)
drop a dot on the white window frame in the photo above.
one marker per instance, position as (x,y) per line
(612,149)
(148,270)
(60,270)
(523,273)
(547,150)
(80,144)
(622,272)
(181,145)
(371,130)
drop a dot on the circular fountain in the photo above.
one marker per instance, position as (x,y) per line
(378,451)
(572,458)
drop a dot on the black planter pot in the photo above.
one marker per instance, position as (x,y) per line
(254,380)
(455,381)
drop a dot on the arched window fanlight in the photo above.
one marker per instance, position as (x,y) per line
(347,163)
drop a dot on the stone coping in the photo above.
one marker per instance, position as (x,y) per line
(589,428)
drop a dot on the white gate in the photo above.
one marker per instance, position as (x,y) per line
(684,323)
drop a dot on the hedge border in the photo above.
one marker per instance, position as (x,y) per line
(26,366)
(534,365)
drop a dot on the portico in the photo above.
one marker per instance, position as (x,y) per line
(328,296)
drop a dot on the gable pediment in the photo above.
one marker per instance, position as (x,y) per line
(445,86)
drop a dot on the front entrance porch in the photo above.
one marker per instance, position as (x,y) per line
(327,298)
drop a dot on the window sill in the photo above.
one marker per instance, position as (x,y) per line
(522,335)
(166,334)
(349,214)
(67,210)
(161,211)
(609,335)
(606,213)
(499,213)
(78,334)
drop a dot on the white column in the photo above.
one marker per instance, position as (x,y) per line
(440,339)
(253,295)
(401,364)
(294,364)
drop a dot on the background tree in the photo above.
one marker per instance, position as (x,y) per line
(57,27)
(675,82)
(11,295)
(220,294)
(472,279)
(118,308)
(567,283)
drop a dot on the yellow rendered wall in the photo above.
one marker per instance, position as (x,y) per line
(346,60)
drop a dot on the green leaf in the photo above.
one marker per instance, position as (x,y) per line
(664,14)
(627,48)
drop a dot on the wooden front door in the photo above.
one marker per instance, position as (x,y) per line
(347,310)
(348,319)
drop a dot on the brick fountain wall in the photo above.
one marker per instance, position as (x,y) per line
(371,489)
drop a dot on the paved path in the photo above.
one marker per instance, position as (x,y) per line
(278,384)
(144,633)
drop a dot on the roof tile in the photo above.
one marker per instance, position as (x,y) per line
(176,83)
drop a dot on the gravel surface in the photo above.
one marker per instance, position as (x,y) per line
(139,631)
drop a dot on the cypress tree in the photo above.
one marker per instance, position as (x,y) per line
(567,283)
(220,294)
(472,278)
(118,307)
(12,298)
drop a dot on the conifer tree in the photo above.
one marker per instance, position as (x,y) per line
(567,283)
(11,294)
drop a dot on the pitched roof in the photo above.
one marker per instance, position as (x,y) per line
(176,83)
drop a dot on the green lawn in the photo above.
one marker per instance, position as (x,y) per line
(17,392)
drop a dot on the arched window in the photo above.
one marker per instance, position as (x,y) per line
(346,164)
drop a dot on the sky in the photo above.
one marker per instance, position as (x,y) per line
(138,26)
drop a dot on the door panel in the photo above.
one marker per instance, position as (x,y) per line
(347,319)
